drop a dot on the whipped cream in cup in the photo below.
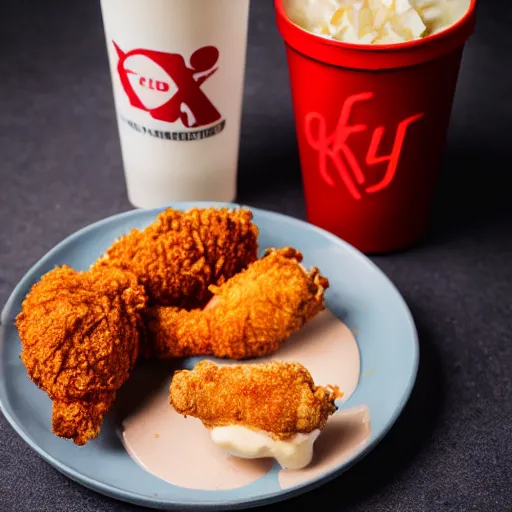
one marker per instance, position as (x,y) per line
(375,21)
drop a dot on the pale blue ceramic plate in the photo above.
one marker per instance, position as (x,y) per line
(360,294)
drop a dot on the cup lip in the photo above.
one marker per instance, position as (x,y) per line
(377,48)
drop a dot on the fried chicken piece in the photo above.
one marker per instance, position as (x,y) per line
(278,398)
(251,315)
(80,334)
(181,254)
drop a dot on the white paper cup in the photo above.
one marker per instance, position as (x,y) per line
(178,71)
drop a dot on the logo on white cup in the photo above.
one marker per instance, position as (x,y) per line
(169,90)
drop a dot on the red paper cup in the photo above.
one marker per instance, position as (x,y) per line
(371,125)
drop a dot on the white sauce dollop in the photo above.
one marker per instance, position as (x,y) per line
(294,453)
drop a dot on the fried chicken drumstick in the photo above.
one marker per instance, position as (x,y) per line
(181,254)
(278,398)
(80,339)
(251,315)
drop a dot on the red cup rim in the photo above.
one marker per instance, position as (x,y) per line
(430,46)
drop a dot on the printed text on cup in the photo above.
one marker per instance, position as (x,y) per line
(335,148)
(167,88)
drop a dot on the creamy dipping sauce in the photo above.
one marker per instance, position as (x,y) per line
(181,451)
(346,433)
(295,453)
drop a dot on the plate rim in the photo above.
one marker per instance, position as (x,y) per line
(235,503)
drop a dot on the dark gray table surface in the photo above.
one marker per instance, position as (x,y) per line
(60,169)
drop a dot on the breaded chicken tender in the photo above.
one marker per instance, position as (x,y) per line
(181,254)
(80,334)
(251,315)
(277,398)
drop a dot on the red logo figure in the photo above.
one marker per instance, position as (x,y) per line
(189,98)
(335,148)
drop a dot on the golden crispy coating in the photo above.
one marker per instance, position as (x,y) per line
(278,398)
(178,256)
(80,339)
(251,315)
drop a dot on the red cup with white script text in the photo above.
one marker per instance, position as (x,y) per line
(371,124)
